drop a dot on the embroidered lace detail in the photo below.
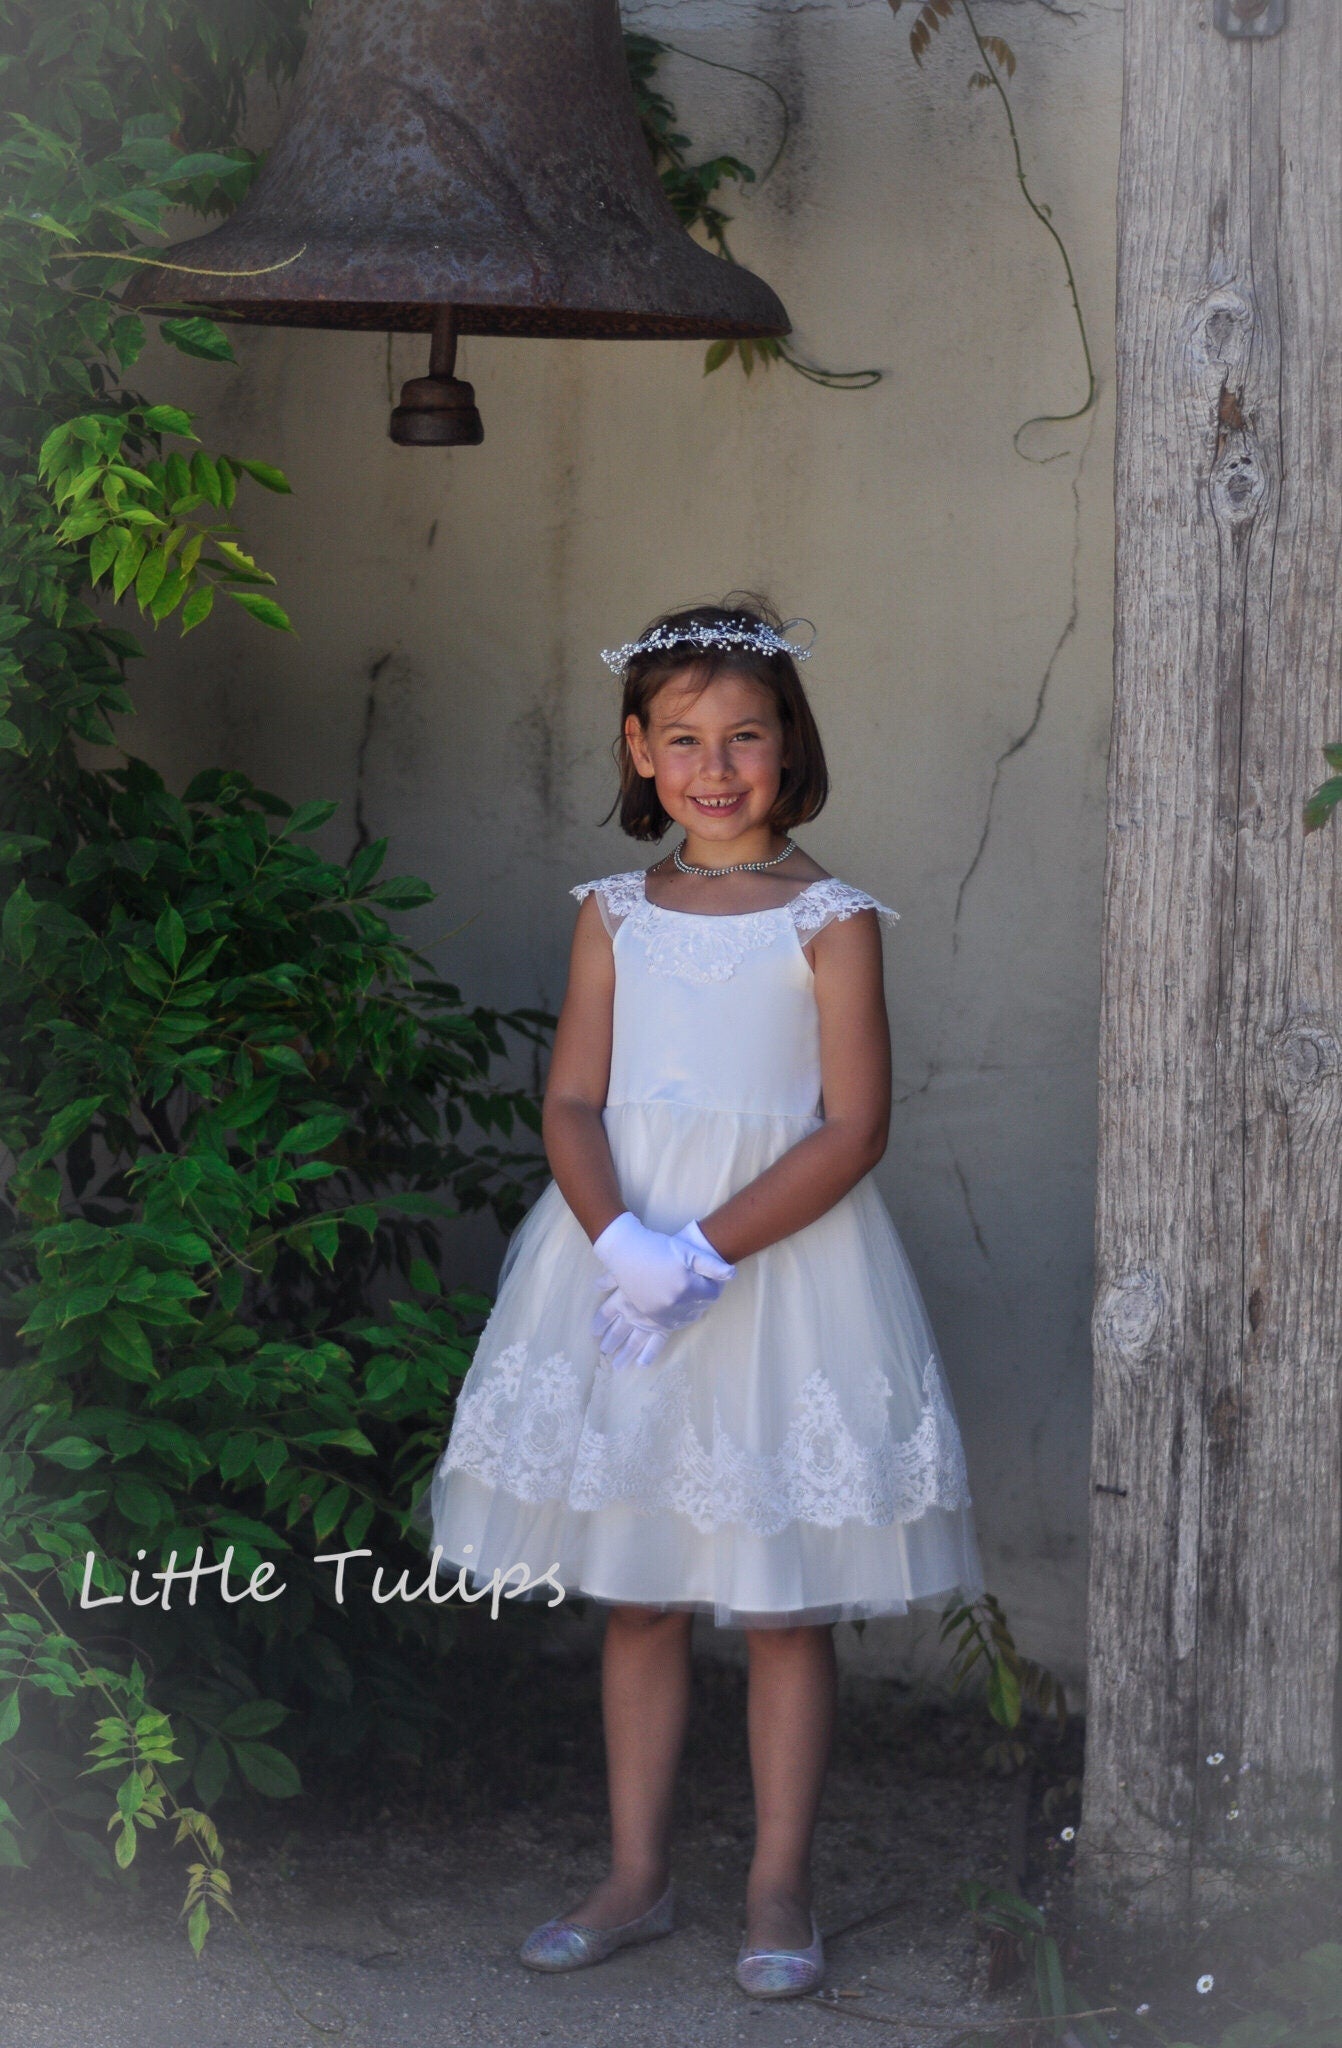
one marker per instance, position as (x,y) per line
(829,899)
(687,946)
(617,896)
(691,948)
(527,1431)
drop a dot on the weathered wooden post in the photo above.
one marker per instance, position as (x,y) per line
(1214,1589)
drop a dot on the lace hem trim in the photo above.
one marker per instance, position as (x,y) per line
(525,1429)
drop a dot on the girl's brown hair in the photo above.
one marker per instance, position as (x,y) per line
(805,779)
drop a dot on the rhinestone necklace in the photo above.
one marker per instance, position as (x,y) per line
(741,867)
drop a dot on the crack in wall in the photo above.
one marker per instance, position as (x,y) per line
(969,1211)
(1069,627)
(362,836)
(933,1069)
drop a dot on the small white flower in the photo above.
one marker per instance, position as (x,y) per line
(1068,1835)
(1217,1757)
(1205,1983)
(1143,2007)
(1232,1813)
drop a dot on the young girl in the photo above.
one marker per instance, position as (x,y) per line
(709,1382)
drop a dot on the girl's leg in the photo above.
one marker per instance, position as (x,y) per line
(790,1722)
(645,1699)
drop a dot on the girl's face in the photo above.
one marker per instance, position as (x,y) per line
(717,754)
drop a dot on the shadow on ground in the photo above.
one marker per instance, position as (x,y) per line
(390,1908)
(385,1910)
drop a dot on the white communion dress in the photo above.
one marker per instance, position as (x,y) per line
(792,1456)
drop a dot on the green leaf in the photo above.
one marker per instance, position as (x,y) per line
(198,336)
(403,892)
(169,593)
(267,1769)
(716,355)
(328,1512)
(211,1772)
(342,1439)
(205,477)
(14,845)
(271,1456)
(237,1455)
(153,569)
(385,1376)
(103,552)
(1048,1978)
(9,1715)
(198,606)
(74,1452)
(170,937)
(138,1501)
(203,164)
(252,1718)
(239,559)
(263,473)
(16,926)
(128,560)
(167,419)
(124,1340)
(1003,1693)
(308,817)
(67,1124)
(198,1926)
(264,609)
(315,1133)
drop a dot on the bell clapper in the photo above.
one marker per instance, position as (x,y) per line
(438,411)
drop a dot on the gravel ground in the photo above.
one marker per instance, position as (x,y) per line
(379,1914)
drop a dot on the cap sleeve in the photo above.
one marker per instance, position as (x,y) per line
(616,896)
(830,899)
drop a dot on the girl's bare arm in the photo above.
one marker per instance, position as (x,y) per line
(575,1094)
(820,1169)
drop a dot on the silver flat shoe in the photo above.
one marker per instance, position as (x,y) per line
(567,1945)
(781,1972)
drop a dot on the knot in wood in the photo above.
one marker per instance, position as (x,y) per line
(1127,1316)
(1301,1057)
(1222,329)
(1238,483)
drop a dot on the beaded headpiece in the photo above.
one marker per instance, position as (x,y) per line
(760,636)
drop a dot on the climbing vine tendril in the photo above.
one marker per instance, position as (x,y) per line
(691,189)
(997,57)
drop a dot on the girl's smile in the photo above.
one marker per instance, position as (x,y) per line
(718,805)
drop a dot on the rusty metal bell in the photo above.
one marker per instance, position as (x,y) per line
(463,167)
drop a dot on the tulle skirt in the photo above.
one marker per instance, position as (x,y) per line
(792,1457)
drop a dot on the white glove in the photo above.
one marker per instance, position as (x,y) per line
(633,1336)
(626,1338)
(661,1275)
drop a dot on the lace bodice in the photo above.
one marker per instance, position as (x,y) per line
(718,1011)
(694,945)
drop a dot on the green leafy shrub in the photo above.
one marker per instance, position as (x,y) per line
(238,1105)
(234,1096)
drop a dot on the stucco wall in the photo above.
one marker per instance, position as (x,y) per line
(961,678)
